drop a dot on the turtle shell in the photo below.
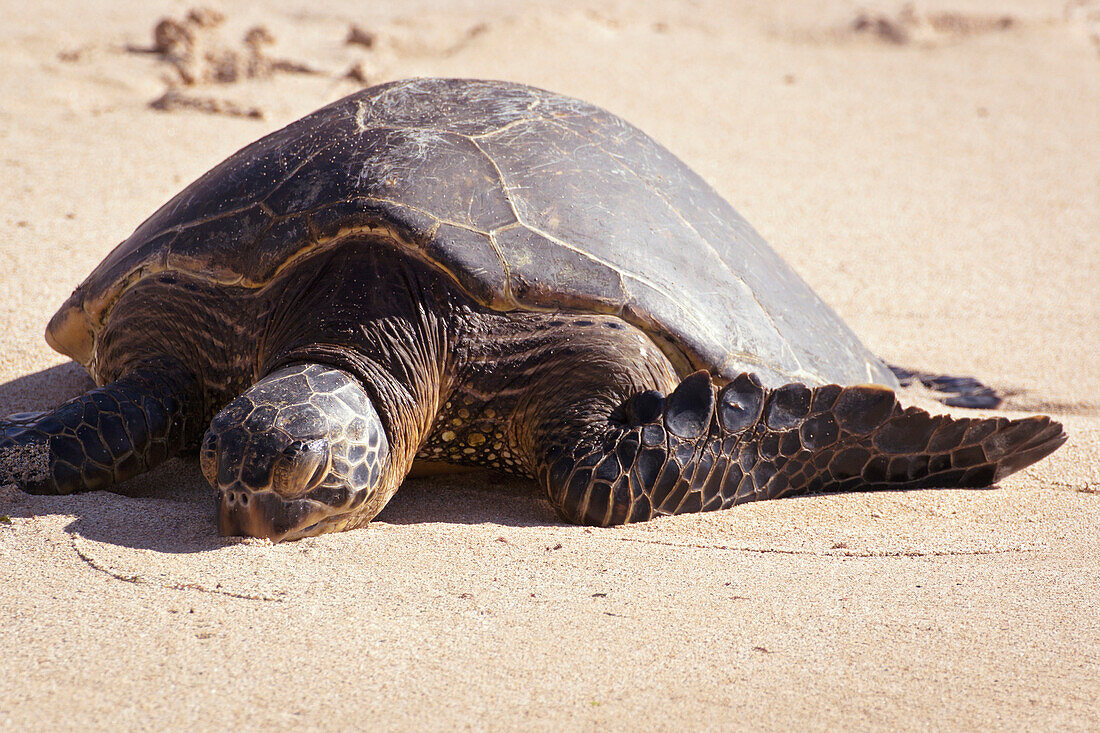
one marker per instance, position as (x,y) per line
(528,199)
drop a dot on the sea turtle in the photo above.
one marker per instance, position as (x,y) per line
(475,272)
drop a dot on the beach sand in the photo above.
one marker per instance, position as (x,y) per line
(933,173)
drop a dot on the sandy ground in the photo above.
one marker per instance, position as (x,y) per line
(934,174)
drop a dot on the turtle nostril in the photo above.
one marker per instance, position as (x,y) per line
(233,497)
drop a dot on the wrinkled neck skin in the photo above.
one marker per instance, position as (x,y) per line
(384,318)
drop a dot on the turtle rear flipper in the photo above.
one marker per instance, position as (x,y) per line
(699,449)
(956,391)
(866,440)
(102,437)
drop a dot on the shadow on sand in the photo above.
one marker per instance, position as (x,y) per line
(44,389)
(172,509)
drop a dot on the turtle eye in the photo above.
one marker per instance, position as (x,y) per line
(301,466)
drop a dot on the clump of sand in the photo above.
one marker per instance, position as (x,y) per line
(196,48)
(174,99)
(909,24)
(199,52)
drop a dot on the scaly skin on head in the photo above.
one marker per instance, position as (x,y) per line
(300,453)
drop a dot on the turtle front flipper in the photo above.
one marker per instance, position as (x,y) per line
(701,449)
(104,436)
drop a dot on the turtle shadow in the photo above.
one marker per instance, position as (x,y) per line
(169,509)
(44,389)
(172,509)
(475,497)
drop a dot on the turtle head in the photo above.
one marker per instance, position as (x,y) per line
(300,453)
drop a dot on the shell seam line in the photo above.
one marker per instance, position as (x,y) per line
(710,247)
(515,214)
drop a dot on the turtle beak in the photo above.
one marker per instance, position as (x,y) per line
(248,513)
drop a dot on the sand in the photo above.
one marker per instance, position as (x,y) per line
(932,173)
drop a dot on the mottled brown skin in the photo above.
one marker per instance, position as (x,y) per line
(364,360)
